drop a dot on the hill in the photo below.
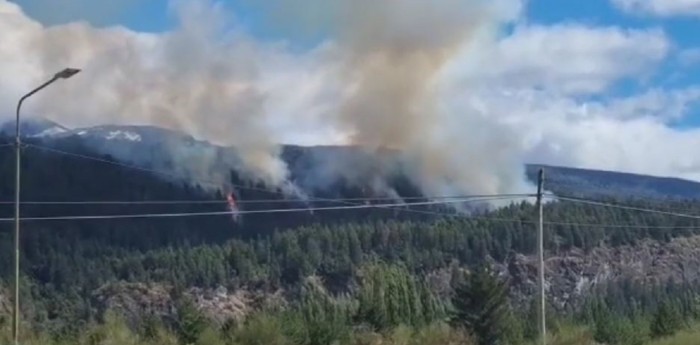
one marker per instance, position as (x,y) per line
(77,269)
(614,184)
(381,174)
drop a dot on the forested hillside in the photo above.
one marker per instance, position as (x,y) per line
(611,184)
(352,171)
(77,270)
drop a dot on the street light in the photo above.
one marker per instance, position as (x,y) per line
(64,74)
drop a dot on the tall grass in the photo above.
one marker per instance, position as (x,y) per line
(686,337)
(278,329)
(262,329)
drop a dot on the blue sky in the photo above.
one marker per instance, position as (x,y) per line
(683,31)
(609,84)
(154,16)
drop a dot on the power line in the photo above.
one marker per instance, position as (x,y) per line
(395,206)
(575,224)
(154,171)
(670,205)
(122,202)
(474,198)
(217,184)
(624,226)
(350,207)
(218,213)
(130,166)
(390,207)
(629,208)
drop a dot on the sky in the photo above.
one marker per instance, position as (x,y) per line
(604,84)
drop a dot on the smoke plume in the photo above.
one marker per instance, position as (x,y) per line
(395,56)
(379,71)
(201,78)
(392,58)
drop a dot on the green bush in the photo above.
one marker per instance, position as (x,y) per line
(190,322)
(611,328)
(667,320)
(262,329)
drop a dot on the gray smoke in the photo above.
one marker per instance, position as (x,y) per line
(201,79)
(387,59)
(392,57)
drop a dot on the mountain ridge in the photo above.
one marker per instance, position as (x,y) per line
(198,160)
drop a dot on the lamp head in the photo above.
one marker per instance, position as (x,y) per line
(67,73)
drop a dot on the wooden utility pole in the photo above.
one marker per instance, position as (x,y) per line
(540,259)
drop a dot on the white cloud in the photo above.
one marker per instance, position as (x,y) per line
(660,8)
(530,85)
(574,58)
(667,106)
(499,103)
(559,130)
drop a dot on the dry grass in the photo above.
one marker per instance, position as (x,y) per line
(268,331)
(686,337)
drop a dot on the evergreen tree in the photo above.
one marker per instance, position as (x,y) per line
(481,307)
(318,319)
(190,322)
(390,296)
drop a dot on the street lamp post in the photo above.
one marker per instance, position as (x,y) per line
(64,74)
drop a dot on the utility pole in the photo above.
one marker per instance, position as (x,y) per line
(64,74)
(540,259)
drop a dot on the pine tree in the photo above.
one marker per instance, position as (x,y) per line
(390,296)
(190,321)
(320,319)
(481,307)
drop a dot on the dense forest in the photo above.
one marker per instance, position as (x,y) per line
(342,272)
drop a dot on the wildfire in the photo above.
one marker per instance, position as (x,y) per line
(233,207)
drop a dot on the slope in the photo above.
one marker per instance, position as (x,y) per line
(380,174)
